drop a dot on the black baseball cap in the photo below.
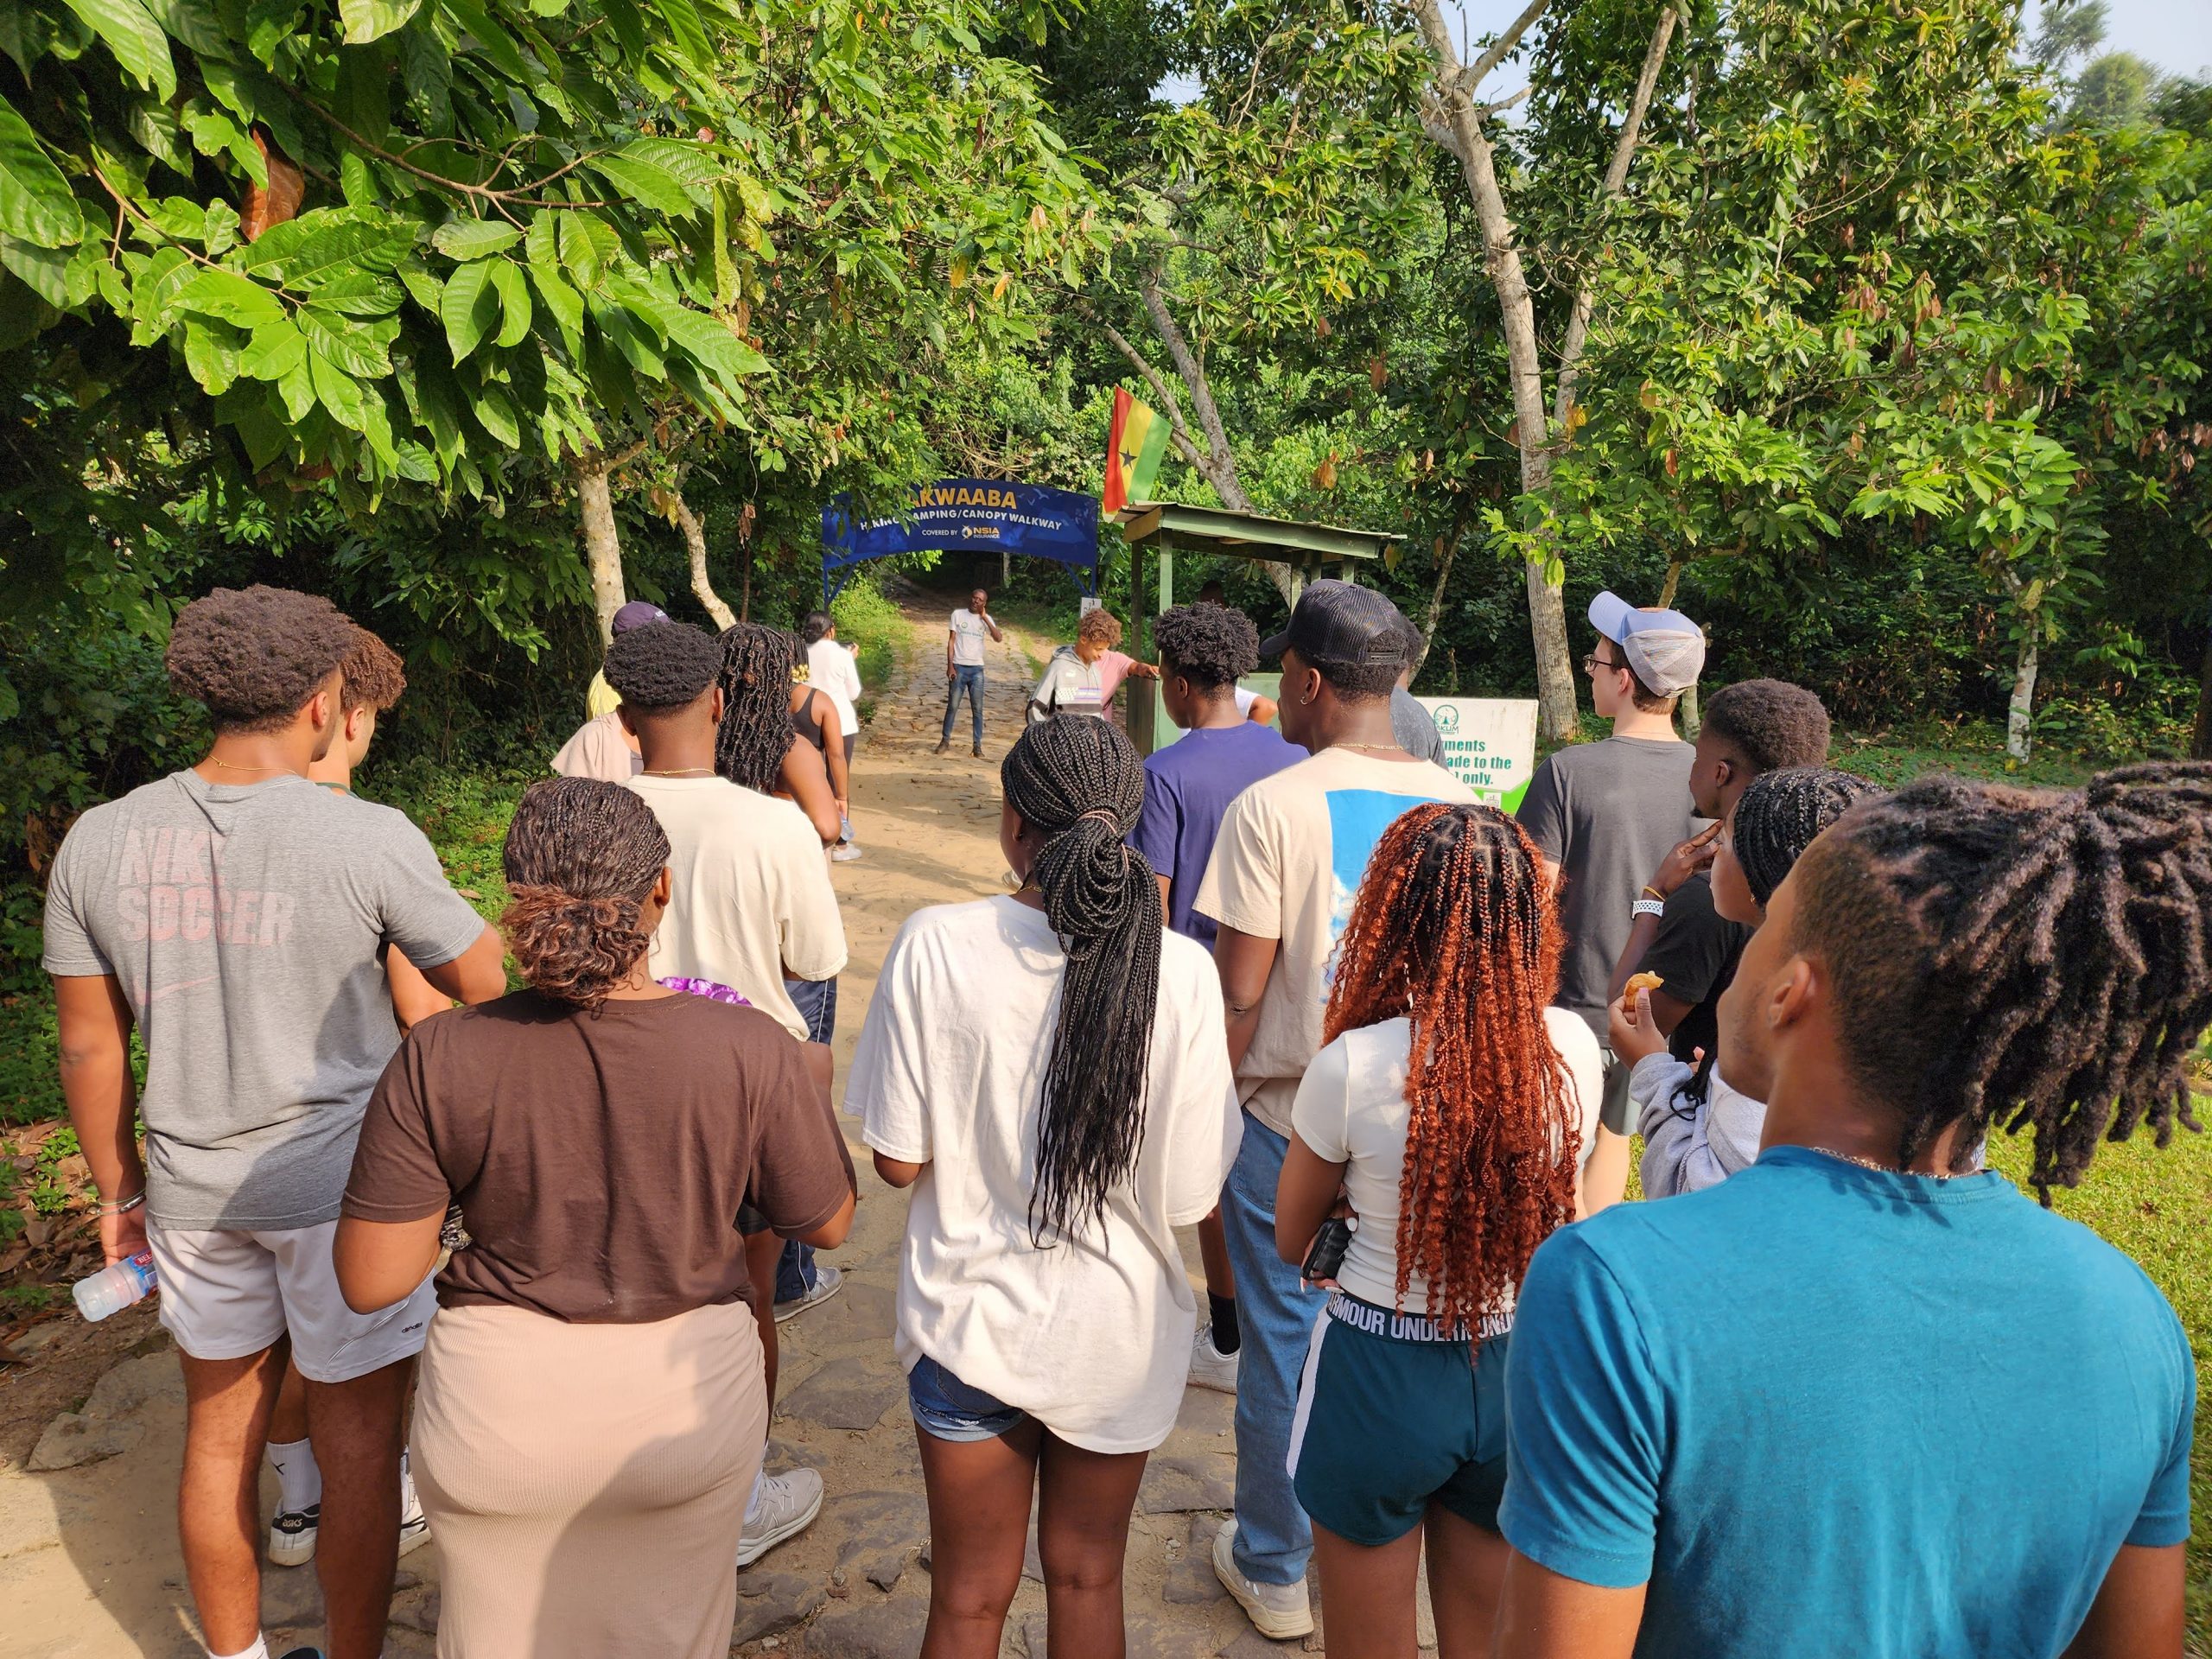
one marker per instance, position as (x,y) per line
(1340,623)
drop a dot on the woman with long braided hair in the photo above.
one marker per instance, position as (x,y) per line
(1860,1398)
(1697,1128)
(1453,1110)
(1048,1071)
(756,745)
(592,1408)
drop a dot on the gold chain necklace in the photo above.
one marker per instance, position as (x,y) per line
(679,772)
(233,765)
(1868,1163)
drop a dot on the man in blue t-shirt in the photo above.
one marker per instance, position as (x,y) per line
(1862,1399)
(1204,649)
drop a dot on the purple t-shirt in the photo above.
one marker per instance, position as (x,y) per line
(1187,787)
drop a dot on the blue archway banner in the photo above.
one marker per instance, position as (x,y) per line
(972,515)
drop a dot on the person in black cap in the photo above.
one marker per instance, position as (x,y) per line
(1602,815)
(1287,862)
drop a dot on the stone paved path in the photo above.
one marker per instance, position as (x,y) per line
(88,1562)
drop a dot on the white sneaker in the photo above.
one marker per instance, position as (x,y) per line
(783,1507)
(1209,1367)
(844,853)
(291,1536)
(1278,1611)
(414,1525)
(828,1282)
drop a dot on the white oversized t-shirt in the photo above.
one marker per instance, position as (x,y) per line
(1091,1336)
(750,894)
(1351,1109)
(829,670)
(969,634)
(1289,860)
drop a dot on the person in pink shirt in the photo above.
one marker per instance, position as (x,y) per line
(1081,679)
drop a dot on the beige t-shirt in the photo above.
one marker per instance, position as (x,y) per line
(752,895)
(1351,1110)
(1287,866)
(599,750)
(1091,1335)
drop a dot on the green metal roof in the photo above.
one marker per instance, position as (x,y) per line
(1248,535)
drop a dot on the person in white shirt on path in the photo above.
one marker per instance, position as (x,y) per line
(963,666)
(830,670)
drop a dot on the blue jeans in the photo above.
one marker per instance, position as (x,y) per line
(967,681)
(817,1001)
(1275,1313)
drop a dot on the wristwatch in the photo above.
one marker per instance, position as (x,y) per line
(1648,907)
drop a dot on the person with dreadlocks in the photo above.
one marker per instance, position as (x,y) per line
(592,1410)
(1861,1398)
(235,915)
(756,746)
(1055,1132)
(1293,851)
(1203,651)
(1697,1128)
(1452,1109)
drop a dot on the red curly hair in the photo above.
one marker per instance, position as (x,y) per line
(1456,928)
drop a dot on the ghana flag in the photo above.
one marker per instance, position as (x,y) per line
(1134,443)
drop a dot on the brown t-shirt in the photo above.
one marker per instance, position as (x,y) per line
(599,1158)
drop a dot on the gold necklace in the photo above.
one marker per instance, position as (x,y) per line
(679,772)
(232,766)
(1868,1163)
(1363,746)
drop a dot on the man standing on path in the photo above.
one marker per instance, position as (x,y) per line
(1203,651)
(963,666)
(235,912)
(1291,851)
(750,906)
(1602,815)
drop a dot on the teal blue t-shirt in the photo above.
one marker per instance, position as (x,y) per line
(1823,1410)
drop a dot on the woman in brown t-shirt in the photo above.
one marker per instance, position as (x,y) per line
(591,1412)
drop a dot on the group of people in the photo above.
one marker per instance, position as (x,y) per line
(1831,1388)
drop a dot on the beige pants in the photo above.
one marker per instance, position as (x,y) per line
(586,1484)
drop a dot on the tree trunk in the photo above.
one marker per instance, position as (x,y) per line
(2020,740)
(695,541)
(603,547)
(2200,746)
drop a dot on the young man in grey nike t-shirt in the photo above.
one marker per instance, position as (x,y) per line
(236,913)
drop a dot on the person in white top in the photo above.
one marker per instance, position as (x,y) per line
(963,666)
(1048,1072)
(830,670)
(1453,1112)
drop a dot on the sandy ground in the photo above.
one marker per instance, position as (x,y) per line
(88,1559)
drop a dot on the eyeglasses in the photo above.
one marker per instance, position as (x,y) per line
(1593,662)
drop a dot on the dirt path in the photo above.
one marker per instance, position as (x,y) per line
(88,1562)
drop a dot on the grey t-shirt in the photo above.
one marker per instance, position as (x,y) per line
(1413,728)
(1605,813)
(246,925)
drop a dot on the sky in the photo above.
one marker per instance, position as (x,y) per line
(2176,36)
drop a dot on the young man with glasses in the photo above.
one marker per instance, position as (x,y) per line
(1602,815)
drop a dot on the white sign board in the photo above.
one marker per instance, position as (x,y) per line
(1489,744)
(1086,605)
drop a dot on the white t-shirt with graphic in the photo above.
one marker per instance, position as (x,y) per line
(969,637)
(1287,866)
(1091,1335)
(1351,1110)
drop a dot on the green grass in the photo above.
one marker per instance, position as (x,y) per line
(872,626)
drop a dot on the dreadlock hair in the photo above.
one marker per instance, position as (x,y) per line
(1210,645)
(1079,783)
(2020,958)
(663,666)
(756,681)
(373,675)
(254,655)
(816,628)
(1781,813)
(1771,723)
(581,857)
(1455,928)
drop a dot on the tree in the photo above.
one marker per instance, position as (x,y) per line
(2114,89)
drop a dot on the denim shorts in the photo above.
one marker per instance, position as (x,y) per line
(948,1408)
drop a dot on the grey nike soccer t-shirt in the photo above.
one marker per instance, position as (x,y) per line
(246,925)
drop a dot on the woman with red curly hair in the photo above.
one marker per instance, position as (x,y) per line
(1448,1117)
(593,1406)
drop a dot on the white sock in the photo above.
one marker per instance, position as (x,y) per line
(258,1650)
(752,1504)
(299,1478)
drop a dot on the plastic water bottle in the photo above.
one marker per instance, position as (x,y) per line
(112,1290)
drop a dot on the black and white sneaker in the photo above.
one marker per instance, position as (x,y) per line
(291,1536)
(304,1653)
(414,1525)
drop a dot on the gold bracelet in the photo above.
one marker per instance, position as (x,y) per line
(1654,892)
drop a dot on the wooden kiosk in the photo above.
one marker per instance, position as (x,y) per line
(1157,530)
